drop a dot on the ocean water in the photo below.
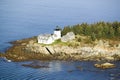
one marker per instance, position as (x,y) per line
(58,70)
(26,18)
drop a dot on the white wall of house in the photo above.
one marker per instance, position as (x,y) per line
(45,41)
(39,41)
(49,41)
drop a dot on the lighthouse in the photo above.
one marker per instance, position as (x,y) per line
(50,38)
(57,33)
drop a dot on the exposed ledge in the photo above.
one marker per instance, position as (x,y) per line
(28,49)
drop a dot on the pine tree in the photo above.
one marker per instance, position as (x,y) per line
(93,37)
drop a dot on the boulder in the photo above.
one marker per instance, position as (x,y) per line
(36,64)
(110,58)
(105,65)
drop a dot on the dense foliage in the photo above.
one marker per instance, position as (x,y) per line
(97,30)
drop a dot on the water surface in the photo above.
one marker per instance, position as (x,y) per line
(58,70)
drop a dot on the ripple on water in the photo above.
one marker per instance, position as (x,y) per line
(58,71)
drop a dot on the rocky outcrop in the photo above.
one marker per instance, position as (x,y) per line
(30,49)
(36,48)
(101,51)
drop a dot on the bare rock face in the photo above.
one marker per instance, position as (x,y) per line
(98,52)
(69,36)
(101,50)
(105,65)
(37,48)
(102,44)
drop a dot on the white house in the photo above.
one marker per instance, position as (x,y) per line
(49,38)
(68,37)
(45,39)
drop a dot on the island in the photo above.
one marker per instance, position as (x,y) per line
(89,42)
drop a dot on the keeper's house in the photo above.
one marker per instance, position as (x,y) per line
(50,38)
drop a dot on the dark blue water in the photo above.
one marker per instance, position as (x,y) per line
(26,18)
(58,70)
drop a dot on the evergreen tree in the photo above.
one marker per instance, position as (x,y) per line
(66,29)
(96,30)
(93,37)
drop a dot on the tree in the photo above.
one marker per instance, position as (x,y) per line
(97,30)
(115,27)
(66,30)
(111,32)
(93,37)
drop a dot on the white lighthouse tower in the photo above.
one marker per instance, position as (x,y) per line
(57,33)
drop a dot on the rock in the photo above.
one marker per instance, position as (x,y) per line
(109,58)
(118,46)
(23,44)
(70,71)
(9,60)
(35,64)
(44,50)
(100,43)
(31,42)
(69,36)
(105,65)
(106,44)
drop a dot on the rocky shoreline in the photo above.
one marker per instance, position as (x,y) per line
(29,49)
